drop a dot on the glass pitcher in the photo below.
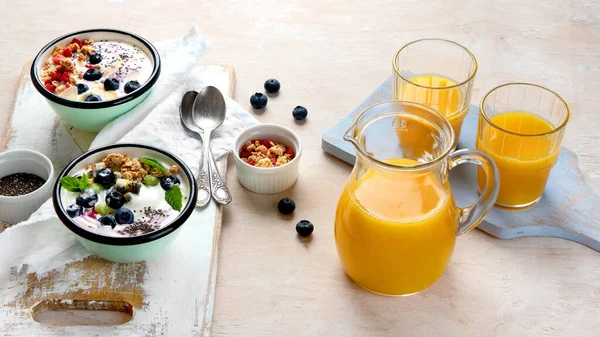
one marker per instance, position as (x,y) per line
(396,221)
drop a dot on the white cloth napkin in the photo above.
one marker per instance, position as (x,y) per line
(42,243)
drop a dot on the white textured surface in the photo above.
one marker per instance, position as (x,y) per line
(42,243)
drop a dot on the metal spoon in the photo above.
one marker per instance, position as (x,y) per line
(208,174)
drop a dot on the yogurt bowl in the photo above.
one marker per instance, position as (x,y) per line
(125,202)
(91,77)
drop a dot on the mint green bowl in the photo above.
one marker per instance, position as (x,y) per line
(127,249)
(93,116)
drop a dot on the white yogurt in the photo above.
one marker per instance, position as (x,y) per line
(149,196)
(120,60)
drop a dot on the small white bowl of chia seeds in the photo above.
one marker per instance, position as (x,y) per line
(25,184)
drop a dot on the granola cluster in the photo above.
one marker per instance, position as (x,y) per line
(266,153)
(133,169)
(60,73)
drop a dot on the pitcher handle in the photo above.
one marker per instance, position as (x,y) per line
(472,215)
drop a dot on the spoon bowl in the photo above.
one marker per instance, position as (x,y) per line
(209,108)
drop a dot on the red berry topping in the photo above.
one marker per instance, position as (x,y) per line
(76,40)
(245,154)
(67,52)
(48,82)
(60,69)
(290,151)
(55,76)
(274,161)
(89,66)
(50,87)
(56,59)
(251,163)
(65,77)
(68,85)
(266,143)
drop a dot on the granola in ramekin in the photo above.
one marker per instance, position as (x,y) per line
(266,153)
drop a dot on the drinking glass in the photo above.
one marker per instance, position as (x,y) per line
(521,126)
(438,73)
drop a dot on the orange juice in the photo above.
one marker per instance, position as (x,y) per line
(431,93)
(398,247)
(524,160)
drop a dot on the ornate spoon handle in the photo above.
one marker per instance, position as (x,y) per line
(219,191)
(203,180)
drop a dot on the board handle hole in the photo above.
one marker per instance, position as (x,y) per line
(82,312)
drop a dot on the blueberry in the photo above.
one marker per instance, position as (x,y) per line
(272,86)
(167,182)
(286,206)
(304,228)
(115,200)
(258,100)
(131,86)
(124,216)
(87,198)
(93,98)
(74,210)
(92,74)
(105,177)
(300,113)
(111,84)
(81,88)
(108,220)
(95,58)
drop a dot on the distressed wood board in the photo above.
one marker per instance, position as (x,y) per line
(569,208)
(172,295)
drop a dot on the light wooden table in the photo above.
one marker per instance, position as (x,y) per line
(328,56)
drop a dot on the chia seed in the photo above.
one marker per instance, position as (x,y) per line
(139,227)
(20,184)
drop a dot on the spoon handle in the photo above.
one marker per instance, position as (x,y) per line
(203,180)
(219,191)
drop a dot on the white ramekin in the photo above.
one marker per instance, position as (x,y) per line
(16,209)
(268,180)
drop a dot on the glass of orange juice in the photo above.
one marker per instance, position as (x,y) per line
(396,222)
(438,73)
(521,127)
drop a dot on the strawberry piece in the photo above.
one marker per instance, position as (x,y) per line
(245,154)
(251,163)
(55,76)
(290,151)
(56,59)
(67,52)
(50,87)
(76,40)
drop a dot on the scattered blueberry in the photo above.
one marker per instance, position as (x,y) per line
(93,98)
(167,182)
(115,200)
(92,74)
(87,198)
(304,228)
(74,210)
(300,113)
(105,177)
(108,220)
(272,86)
(131,86)
(124,216)
(111,84)
(81,88)
(258,100)
(286,206)
(95,58)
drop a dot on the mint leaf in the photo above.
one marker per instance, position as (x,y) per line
(83,181)
(154,164)
(174,198)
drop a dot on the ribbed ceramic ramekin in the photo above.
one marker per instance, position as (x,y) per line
(16,209)
(270,180)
